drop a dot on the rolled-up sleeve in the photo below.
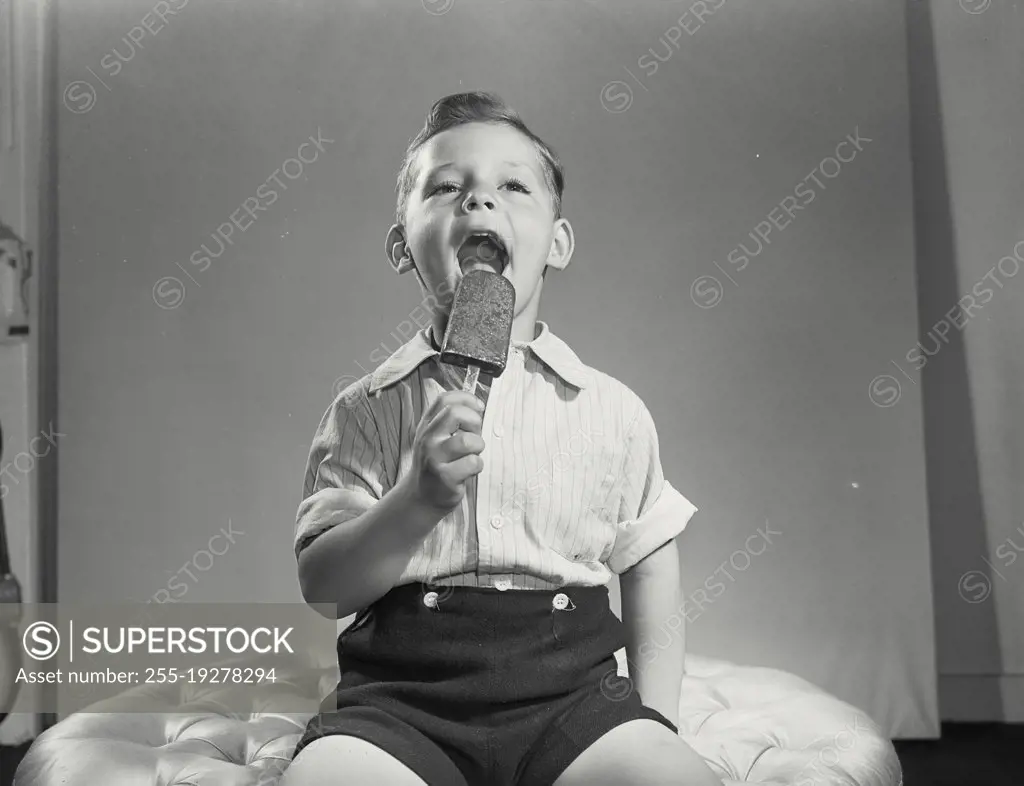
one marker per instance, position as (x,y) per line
(651,511)
(344,473)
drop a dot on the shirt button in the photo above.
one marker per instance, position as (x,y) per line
(497,522)
(560,601)
(499,432)
(502,584)
(430,600)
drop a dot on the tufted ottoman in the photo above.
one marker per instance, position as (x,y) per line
(753,725)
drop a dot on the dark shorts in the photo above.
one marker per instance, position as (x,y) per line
(481,687)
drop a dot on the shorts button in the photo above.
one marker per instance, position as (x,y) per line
(430,600)
(497,522)
(502,584)
(560,601)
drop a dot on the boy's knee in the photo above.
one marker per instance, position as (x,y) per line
(363,762)
(667,758)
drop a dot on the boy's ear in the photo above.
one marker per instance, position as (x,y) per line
(397,251)
(562,244)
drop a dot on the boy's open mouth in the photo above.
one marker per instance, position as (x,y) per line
(483,251)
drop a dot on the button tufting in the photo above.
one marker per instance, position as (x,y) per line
(753,724)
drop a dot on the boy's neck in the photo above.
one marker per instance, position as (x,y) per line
(524,330)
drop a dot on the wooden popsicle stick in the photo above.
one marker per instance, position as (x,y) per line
(472,374)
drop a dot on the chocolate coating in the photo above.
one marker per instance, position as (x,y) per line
(480,324)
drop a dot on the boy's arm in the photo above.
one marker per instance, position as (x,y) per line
(353,564)
(651,611)
(356,530)
(645,556)
(353,535)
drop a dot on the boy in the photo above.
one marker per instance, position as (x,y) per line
(476,534)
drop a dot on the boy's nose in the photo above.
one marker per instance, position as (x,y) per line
(478,200)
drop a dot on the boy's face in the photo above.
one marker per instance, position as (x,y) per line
(474,181)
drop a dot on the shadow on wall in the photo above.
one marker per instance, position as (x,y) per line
(955,500)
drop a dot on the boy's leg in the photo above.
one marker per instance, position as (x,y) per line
(641,752)
(340,759)
(365,746)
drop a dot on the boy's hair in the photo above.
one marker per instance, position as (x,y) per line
(476,107)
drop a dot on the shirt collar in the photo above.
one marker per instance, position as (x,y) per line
(550,349)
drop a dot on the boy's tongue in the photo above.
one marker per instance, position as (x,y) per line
(481,253)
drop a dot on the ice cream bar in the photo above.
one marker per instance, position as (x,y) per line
(480,325)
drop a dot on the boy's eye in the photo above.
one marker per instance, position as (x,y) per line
(449,186)
(518,185)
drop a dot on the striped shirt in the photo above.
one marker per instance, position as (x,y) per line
(571,490)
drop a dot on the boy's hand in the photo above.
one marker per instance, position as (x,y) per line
(445,451)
